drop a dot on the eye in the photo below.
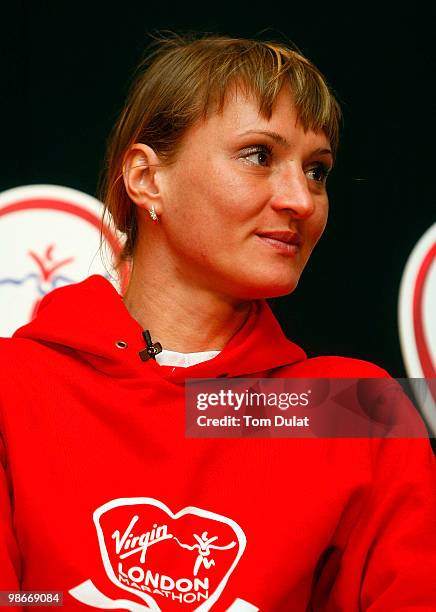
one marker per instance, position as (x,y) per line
(319,172)
(258,155)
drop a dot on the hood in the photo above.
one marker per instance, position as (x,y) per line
(90,318)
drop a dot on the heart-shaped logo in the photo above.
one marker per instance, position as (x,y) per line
(417,323)
(168,560)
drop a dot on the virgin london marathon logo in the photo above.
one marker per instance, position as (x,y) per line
(168,560)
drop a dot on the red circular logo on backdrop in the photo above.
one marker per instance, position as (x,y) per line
(50,237)
(416,317)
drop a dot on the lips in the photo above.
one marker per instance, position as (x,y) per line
(285,236)
(283,242)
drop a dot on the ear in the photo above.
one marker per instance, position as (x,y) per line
(140,176)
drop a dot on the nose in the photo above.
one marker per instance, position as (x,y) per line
(291,192)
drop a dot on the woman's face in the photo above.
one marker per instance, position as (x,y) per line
(245,202)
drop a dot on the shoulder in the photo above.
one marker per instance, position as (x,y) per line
(11,348)
(22,358)
(334,367)
(18,347)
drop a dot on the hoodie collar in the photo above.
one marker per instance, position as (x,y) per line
(91,319)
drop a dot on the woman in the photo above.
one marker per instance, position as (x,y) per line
(217,175)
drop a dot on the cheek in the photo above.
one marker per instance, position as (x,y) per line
(225,192)
(322,225)
(211,203)
(192,189)
(317,226)
(323,216)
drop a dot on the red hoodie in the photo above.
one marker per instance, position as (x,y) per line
(105,499)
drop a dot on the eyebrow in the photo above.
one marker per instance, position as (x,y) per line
(281,140)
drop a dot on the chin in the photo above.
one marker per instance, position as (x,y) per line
(267,288)
(282,290)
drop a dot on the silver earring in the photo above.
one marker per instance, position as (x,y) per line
(153,214)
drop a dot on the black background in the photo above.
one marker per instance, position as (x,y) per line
(65,72)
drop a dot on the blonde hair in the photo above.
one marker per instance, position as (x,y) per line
(182,80)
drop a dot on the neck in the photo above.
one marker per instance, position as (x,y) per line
(182,317)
